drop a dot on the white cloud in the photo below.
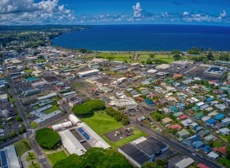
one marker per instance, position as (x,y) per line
(31,12)
(223,13)
(137,10)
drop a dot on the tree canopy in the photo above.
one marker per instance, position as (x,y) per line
(95,158)
(194,50)
(88,107)
(47,138)
(118,116)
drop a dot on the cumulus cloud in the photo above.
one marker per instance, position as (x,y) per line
(185,13)
(223,13)
(137,10)
(31,12)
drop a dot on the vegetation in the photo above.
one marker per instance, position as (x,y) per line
(119,116)
(52,109)
(136,134)
(95,158)
(33,124)
(34,165)
(194,50)
(47,138)
(101,123)
(30,156)
(88,107)
(225,162)
(22,147)
(55,157)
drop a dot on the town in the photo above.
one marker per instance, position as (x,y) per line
(57,102)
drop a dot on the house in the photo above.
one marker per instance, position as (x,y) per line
(174,109)
(221,150)
(206,149)
(182,134)
(183,117)
(187,122)
(200,165)
(219,116)
(210,122)
(224,131)
(149,102)
(184,163)
(213,155)
(203,133)
(166,110)
(198,144)
(178,114)
(177,76)
(3,98)
(175,126)
(208,137)
(166,121)
(225,121)
(181,106)
(197,128)
(199,116)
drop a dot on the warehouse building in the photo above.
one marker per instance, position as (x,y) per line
(9,157)
(88,73)
(142,150)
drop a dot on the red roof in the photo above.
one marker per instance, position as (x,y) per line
(140,98)
(222,150)
(200,165)
(182,117)
(177,75)
(175,126)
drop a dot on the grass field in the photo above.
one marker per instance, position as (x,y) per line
(217,143)
(28,71)
(54,108)
(55,157)
(225,162)
(102,123)
(136,134)
(22,146)
(143,57)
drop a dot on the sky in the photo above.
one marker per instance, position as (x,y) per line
(32,12)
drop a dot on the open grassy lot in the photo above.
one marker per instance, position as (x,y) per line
(22,146)
(55,157)
(225,162)
(54,108)
(136,134)
(102,123)
(28,71)
(143,56)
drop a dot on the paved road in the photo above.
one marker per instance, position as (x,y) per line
(177,146)
(10,142)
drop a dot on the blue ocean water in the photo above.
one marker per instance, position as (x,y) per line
(147,37)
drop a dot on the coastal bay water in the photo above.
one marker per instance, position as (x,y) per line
(147,37)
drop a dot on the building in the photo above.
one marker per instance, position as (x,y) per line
(180,64)
(47,96)
(225,122)
(166,120)
(9,158)
(184,163)
(182,134)
(224,131)
(88,73)
(142,150)
(3,98)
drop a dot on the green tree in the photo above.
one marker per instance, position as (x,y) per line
(228,151)
(210,55)
(177,57)
(18,118)
(33,124)
(176,52)
(151,165)
(48,138)
(149,61)
(151,56)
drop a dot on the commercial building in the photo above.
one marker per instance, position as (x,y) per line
(88,73)
(142,150)
(9,158)
(184,163)
(3,98)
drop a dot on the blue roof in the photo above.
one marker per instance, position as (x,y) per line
(195,138)
(174,108)
(209,99)
(219,116)
(181,104)
(198,144)
(149,102)
(211,121)
(3,158)
(207,149)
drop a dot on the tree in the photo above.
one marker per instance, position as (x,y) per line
(177,57)
(193,50)
(89,107)
(210,55)
(33,124)
(48,138)
(151,165)
(18,118)
(110,58)
(176,52)
(228,151)
(95,158)
(149,61)
(151,56)
(83,50)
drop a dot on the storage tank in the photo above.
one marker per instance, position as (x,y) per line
(73,119)
(62,126)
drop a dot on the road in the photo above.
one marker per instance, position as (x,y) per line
(177,146)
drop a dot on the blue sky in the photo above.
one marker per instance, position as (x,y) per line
(215,12)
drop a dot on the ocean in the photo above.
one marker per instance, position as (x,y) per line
(147,38)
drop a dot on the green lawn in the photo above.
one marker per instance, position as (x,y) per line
(102,123)
(224,162)
(136,134)
(28,71)
(22,146)
(55,157)
(217,143)
(54,108)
